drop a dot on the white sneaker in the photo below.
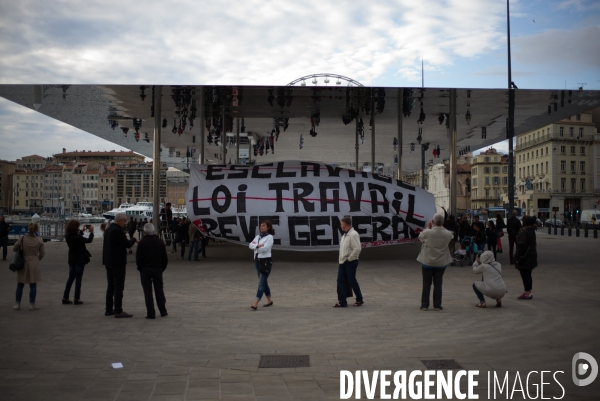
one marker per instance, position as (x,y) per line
(32,307)
(17,307)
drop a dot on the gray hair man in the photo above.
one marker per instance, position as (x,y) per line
(348,263)
(151,260)
(114,258)
(434,258)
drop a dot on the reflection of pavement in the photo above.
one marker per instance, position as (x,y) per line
(210,344)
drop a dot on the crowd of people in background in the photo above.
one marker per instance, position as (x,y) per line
(438,246)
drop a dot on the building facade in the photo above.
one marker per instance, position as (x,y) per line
(489,179)
(439,186)
(7,169)
(94,159)
(177,185)
(89,190)
(28,191)
(555,169)
(32,162)
(54,190)
(106,190)
(134,183)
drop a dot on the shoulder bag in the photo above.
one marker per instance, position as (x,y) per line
(18,261)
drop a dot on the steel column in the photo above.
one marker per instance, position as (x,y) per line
(453,153)
(201,122)
(356,145)
(237,143)
(400,118)
(372,132)
(223,134)
(156,159)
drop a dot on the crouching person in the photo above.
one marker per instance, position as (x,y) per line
(151,259)
(491,284)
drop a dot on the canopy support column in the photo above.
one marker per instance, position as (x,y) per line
(372,132)
(453,153)
(156,159)
(400,120)
(201,122)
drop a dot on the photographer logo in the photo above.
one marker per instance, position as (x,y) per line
(581,368)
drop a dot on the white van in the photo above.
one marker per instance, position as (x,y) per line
(590,216)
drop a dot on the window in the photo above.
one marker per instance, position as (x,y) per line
(504,180)
(562,132)
(496,180)
(571,132)
(542,152)
(487,180)
(546,167)
(582,150)
(582,186)
(572,150)
(573,184)
(536,169)
(573,166)
(563,150)
(496,170)
(527,170)
(578,117)
(474,171)
(536,154)
(486,170)
(582,167)
(519,158)
(563,166)
(505,169)
(496,193)
(580,133)
(487,193)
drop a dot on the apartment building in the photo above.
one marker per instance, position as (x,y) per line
(489,179)
(107,182)
(555,168)
(177,185)
(28,191)
(89,191)
(94,159)
(32,162)
(134,183)
(7,169)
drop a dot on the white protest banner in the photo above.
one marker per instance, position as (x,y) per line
(305,201)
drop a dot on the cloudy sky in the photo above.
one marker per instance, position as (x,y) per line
(462,42)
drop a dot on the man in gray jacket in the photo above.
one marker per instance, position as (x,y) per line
(348,263)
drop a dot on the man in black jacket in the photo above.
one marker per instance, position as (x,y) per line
(114,257)
(513,226)
(4,230)
(151,260)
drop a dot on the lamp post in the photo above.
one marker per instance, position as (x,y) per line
(510,129)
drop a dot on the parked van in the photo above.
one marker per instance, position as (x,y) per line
(590,216)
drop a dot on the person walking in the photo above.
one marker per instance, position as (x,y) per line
(464,229)
(491,237)
(348,263)
(492,284)
(262,245)
(500,226)
(140,228)
(166,218)
(151,260)
(434,257)
(4,230)
(131,227)
(78,258)
(181,236)
(114,258)
(478,235)
(194,237)
(513,226)
(33,251)
(526,255)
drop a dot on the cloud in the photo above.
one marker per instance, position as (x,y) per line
(559,50)
(580,5)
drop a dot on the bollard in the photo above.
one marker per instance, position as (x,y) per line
(569,231)
(577,231)
(585,231)
(595,231)
(555,228)
(549,229)
(562,230)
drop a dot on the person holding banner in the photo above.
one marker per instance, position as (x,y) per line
(348,263)
(262,245)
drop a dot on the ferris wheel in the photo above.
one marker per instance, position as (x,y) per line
(323,79)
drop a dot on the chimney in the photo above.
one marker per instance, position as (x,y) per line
(64,150)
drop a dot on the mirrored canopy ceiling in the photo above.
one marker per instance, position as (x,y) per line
(124,115)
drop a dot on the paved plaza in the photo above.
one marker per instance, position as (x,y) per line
(210,345)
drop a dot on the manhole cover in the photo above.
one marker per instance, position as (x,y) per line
(284,361)
(441,364)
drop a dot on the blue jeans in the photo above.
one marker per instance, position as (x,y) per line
(263,284)
(478,293)
(75,274)
(347,274)
(4,245)
(193,248)
(32,292)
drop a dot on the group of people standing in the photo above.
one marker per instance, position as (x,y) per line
(183,232)
(437,246)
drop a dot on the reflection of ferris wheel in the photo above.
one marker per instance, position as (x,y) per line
(313,78)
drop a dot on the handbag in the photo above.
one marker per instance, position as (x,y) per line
(264,265)
(519,258)
(500,233)
(18,261)
(86,256)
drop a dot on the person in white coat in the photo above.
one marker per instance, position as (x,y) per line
(348,263)
(262,245)
(492,284)
(434,257)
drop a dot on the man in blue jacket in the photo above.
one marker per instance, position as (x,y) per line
(114,258)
